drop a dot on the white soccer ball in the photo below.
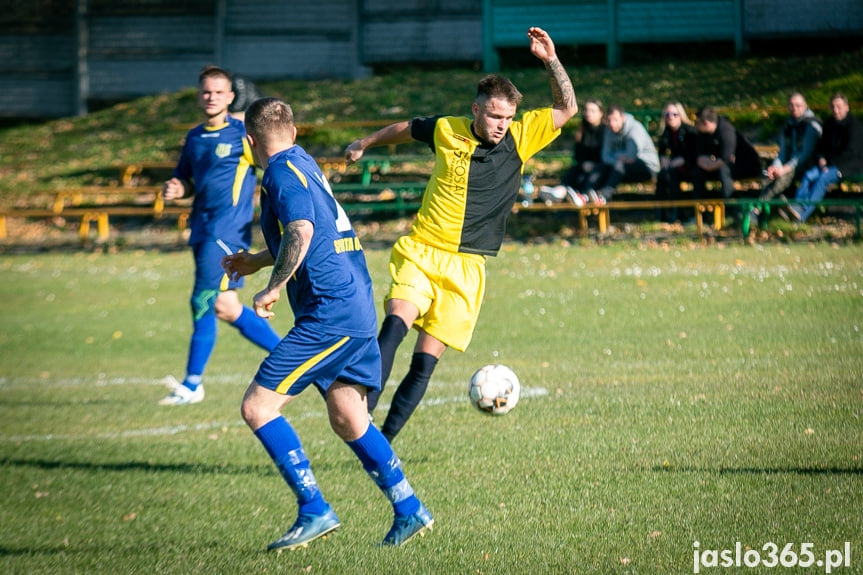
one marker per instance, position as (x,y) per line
(494,389)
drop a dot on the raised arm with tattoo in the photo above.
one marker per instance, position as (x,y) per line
(562,91)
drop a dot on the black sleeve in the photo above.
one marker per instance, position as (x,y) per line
(663,144)
(422,129)
(690,138)
(702,144)
(728,141)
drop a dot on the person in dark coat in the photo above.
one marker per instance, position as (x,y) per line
(676,145)
(723,154)
(840,154)
(587,155)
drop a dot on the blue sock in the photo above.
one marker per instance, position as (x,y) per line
(192,381)
(201,347)
(257,329)
(284,447)
(382,465)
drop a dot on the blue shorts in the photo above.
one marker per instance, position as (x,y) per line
(305,357)
(209,274)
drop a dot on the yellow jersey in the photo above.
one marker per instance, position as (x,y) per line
(474,184)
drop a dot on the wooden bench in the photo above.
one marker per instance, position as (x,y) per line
(308,128)
(76,195)
(129,171)
(603,212)
(100,215)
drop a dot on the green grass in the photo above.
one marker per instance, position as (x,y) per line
(673,395)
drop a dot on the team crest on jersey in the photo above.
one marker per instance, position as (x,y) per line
(223,150)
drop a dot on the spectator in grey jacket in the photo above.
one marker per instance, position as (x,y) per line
(797,143)
(628,154)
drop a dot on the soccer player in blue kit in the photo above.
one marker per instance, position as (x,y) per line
(317,257)
(216,166)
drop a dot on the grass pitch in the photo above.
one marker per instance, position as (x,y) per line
(671,396)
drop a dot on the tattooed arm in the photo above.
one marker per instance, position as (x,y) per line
(295,244)
(565,105)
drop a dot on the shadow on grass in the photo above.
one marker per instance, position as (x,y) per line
(64,549)
(264,468)
(147,466)
(6,551)
(761,470)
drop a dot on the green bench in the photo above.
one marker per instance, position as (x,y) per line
(766,206)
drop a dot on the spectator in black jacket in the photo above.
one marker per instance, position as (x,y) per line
(587,155)
(723,154)
(840,154)
(676,155)
(586,171)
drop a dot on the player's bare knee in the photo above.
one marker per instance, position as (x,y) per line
(249,411)
(228,306)
(256,412)
(348,425)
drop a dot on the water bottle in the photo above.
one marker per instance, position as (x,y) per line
(527,190)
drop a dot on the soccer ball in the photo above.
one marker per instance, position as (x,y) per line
(494,389)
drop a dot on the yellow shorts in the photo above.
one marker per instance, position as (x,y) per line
(447,288)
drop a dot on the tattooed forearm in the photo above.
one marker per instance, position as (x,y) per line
(561,86)
(288,258)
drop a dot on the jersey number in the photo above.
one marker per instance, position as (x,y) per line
(343,223)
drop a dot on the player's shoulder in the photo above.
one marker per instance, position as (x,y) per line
(429,127)
(235,123)
(293,164)
(459,121)
(546,111)
(196,130)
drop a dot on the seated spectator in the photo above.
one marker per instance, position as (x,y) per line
(628,154)
(797,143)
(723,154)
(840,154)
(676,155)
(586,158)
(587,155)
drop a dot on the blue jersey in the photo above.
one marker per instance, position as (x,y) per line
(331,291)
(218,162)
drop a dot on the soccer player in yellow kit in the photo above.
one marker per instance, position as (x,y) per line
(438,270)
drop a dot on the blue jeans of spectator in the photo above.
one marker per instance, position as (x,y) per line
(813,188)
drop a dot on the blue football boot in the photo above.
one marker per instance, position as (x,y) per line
(406,527)
(305,529)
